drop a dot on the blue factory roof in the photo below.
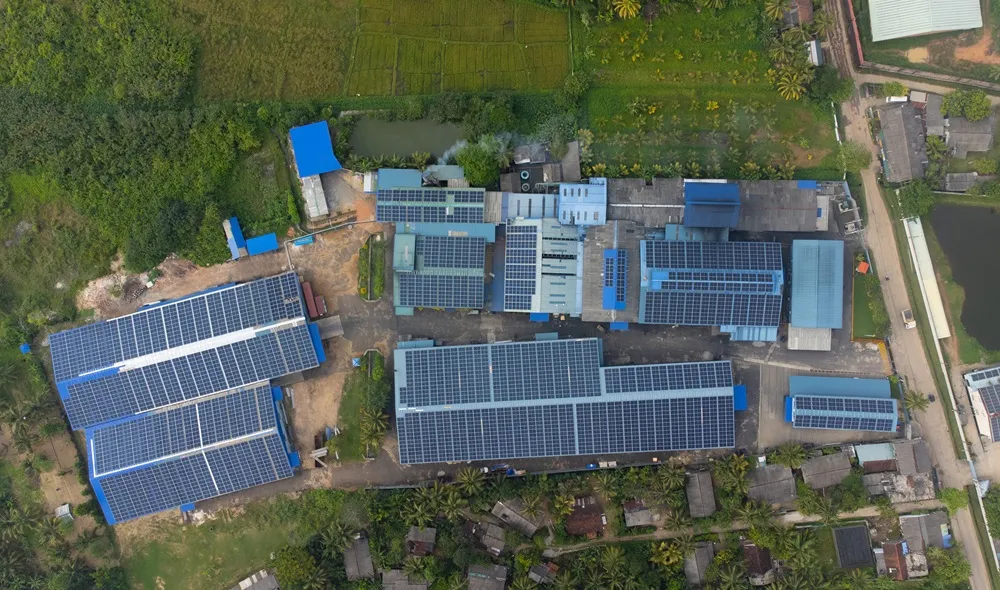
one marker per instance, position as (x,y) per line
(731,284)
(399,178)
(189,452)
(711,204)
(839,386)
(584,204)
(313,149)
(818,284)
(844,413)
(552,398)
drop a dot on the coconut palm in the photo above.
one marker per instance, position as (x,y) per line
(791,455)
(795,581)
(626,9)
(471,481)
(669,7)
(857,579)
(671,477)
(336,538)
(317,580)
(523,583)
(452,504)
(775,9)
(566,580)
(666,554)
(563,504)
(420,568)
(419,513)
(686,544)
(607,483)
(712,4)
(800,547)
(531,504)
(915,401)
(675,520)
(732,577)
(822,23)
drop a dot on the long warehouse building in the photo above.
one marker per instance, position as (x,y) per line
(175,399)
(550,398)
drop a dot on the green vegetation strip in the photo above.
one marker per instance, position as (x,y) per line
(985,543)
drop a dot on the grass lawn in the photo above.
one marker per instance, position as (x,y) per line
(214,555)
(365,269)
(863,325)
(826,547)
(258,191)
(349,418)
(693,87)
(970,351)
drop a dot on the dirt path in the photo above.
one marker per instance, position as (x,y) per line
(789,519)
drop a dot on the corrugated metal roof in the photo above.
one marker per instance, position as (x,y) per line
(313,149)
(874,452)
(892,19)
(398,178)
(839,386)
(818,284)
(711,204)
(584,204)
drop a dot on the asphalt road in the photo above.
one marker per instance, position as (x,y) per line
(907,348)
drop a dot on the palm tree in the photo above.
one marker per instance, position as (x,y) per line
(317,580)
(471,481)
(565,580)
(419,568)
(418,513)
(454,582)
(563,504)
(822,23)
(452,504)
(775,9)
(686,544)
(712,4)
(336,538)
(676,520)
(914,400)
(800,547)
(666,554)
(669,7)
(671,477)
(85,539)
(791,455)
(994,73)
(523,583)
(626,9)
(531,504)
(607,483)
(732,577)
(612,557)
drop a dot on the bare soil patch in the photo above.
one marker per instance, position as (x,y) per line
(918,55)
(980,52)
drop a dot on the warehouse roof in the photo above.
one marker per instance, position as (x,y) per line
(828,470)
(818,283)
(313,149)
(711,204)
(903,142)
(892,19)
(584,203)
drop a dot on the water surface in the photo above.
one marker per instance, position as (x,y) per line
(372,137)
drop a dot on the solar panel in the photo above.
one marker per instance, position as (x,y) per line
(175,323)
(759,256)
(180,429)
(991,398)
(190,478)
(711,309)
(520,267)
(667,377)
(844,413)
(450,252)
(546,370)
(430,205)
(444,376)
(268,355)
(568,429)
(995,428)
(441,291)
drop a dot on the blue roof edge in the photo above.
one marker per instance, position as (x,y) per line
(740,402)
(317,343)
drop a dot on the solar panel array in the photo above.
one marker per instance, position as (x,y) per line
(451,252)
(616,273)
(500,372)
(762,256)
(520,265)
(169,484)
(995,427)
(547,398)
(181,429)
(431,205)
(269,355)
(840,413)
(712,283)
(975,379)
(444,291)
(667,377)
(102,344)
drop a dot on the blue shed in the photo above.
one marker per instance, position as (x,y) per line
(313,149)
(711,204)
(262,244)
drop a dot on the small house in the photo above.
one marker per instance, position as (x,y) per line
(759,565)
(902,139)
(489,535)
(922,531)
(912,457)
(826,471)
(700,494)
(543,573)
(420,542)
(511,512)
(358,560)
(772,484)
(398,580)
(964,136)
(586,519)
(696,563)
(487,577)
(637,514)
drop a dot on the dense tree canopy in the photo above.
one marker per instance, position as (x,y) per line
(974,105)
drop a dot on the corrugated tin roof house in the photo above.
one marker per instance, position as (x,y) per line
(903,142)
(398,580)
(637,514)
(798,13)
(487,577)
(585,518)
(510,511)
(700,494)
(912,457)
(543,573)
(964,136)
(420,542)
(922,531)
(828,470)
(933,117)
(696,563)
(773,484)
(358,560)
(893,19)
(895,561)
(489,535)
(759,565)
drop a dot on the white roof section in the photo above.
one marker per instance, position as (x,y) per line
(892,19)
(925,273)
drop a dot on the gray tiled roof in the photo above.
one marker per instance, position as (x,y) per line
(903,142)
(828,470)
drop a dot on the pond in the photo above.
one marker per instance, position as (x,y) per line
(372,137)
(970,238)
